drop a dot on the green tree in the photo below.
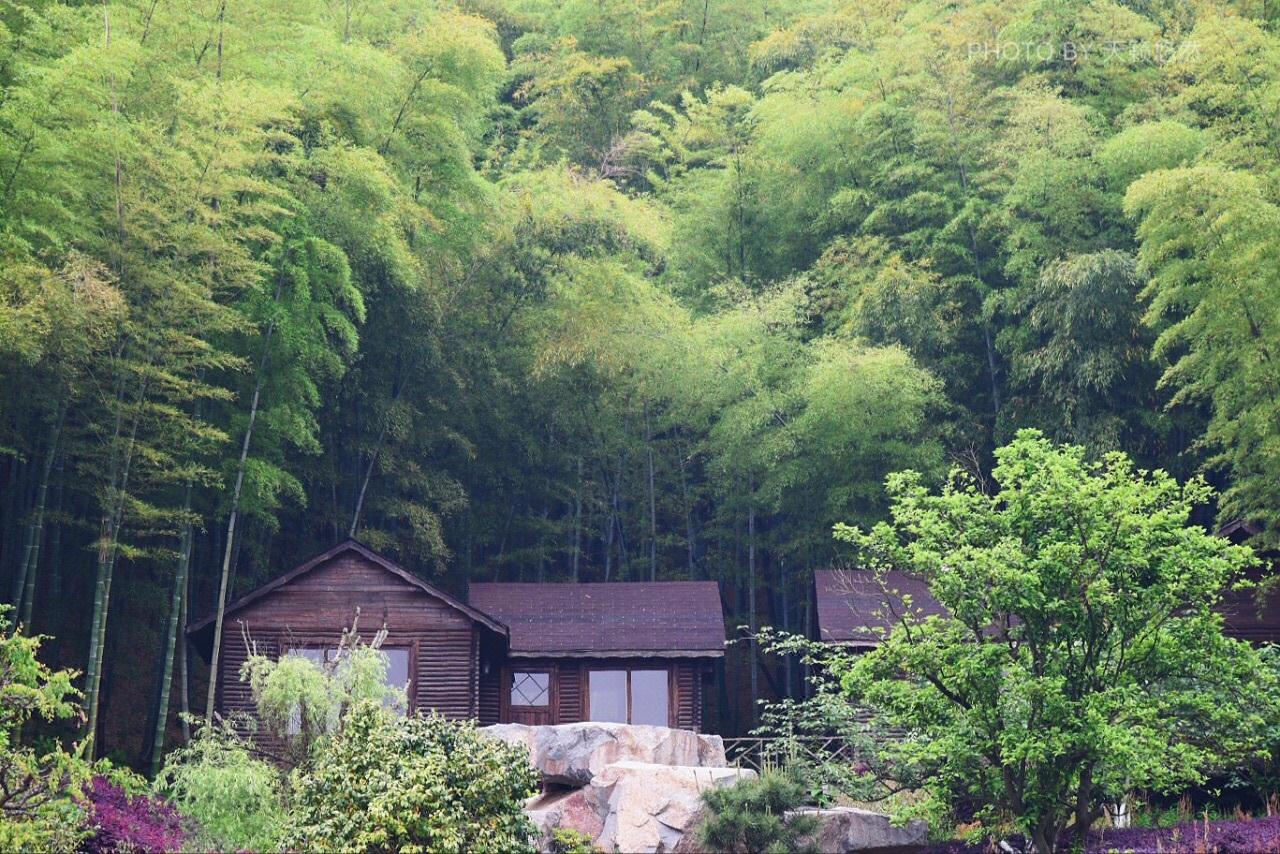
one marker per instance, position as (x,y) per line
(1080,655)
(1205,236)
(37,787)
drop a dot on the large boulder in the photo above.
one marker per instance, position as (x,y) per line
(571,754)
(575,809)
(654,808)
(634,807)
(844,829)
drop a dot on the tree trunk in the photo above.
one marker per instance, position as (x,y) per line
(184,674)
(653,505)
(689,537)
(55,547)
(20,571)
(991,370)
(751,603)
(608,539)
(787,660)
(172,638)
(577,523)
(542,543)
(227,550)
(622,530)
(235,500)
(806,621)
(107,544)
(31,565)
(364,483)
(9,526)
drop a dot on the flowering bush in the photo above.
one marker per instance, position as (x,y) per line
(119,821)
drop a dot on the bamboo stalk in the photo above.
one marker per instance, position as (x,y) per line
(32,563)
(175,611)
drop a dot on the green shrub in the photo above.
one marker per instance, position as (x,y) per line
(751,816)
(566,840)
(39,811)
(385,782)
(235,798)
(54,826)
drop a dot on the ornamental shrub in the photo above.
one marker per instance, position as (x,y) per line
(39,810)
(234,798)
(751,816)
(302,701)
(119,821)
(385,782)
(54,826)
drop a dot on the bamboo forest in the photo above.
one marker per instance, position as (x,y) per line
(602,291)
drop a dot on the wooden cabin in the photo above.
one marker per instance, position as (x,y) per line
(525,653)
(638,653)
(854,607)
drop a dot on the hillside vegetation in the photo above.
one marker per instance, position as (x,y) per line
(608,290)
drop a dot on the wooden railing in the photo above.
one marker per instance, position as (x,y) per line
(760,753)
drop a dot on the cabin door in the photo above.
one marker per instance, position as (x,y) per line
(529,696)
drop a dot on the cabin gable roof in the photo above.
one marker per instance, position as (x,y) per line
(205,624)
(856,607)
(665,619)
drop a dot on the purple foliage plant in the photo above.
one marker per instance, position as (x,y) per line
(120,822)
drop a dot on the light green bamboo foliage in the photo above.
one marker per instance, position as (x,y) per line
(1206,236)
(235,799)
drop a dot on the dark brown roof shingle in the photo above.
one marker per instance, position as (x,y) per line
(666,618)
(854,604)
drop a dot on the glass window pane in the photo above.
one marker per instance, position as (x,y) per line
(608,695)
(649,697)
(316,657)
(530,689)
(398,671)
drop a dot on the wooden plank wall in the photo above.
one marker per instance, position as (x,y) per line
(688,699)
(315,608)
(490,696)
(444,672)
(569,688)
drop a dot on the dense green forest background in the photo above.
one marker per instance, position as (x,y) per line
(606,290)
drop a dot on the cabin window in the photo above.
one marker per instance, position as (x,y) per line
(398,662)
(398,672)
(649,697)
(629,696)
(317,656)
(609,695)
(530,688)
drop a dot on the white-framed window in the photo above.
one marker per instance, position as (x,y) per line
(629,696)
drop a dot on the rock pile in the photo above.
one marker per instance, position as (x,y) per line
(639,789)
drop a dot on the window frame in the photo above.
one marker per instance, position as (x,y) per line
(628,670)
(509,687)
(288,643)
